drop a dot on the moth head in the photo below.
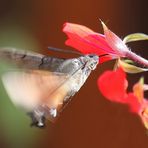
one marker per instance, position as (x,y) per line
(91,61)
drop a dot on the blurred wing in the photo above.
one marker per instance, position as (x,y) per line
(34,88)
(29,59)
(41,92)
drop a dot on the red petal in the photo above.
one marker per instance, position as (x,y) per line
(133,103)
(113,85)
(86,41)
(115,42)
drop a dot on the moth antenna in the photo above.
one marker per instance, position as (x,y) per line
(64,50)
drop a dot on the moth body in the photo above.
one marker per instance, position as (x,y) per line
(43,85)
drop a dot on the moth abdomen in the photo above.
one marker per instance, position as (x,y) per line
(37,122)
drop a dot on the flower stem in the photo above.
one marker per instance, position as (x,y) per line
(133,56)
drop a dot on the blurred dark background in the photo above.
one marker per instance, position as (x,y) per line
(89,121)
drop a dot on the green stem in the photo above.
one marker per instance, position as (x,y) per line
(138,59)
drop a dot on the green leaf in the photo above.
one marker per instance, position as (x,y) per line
(135,37)
(129,68)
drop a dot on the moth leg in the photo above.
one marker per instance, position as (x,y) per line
(53,112)
(38,118)
(40,114)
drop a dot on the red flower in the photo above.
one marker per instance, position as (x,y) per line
(113,85)
(87,41)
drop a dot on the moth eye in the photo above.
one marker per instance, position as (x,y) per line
(92,65)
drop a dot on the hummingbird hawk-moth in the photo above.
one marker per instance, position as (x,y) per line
(42,85)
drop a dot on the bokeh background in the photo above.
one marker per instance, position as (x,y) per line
(89,121)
